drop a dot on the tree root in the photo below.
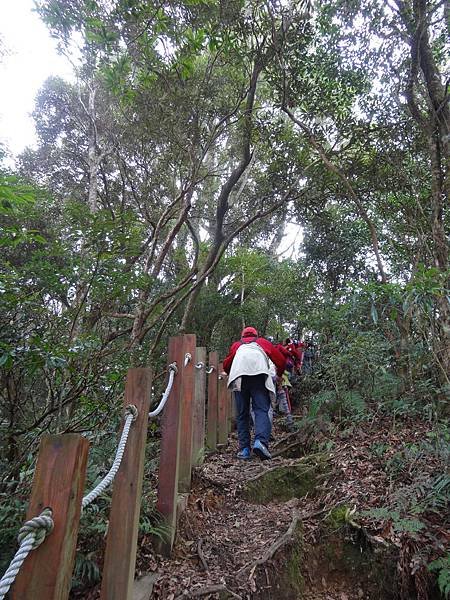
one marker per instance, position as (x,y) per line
(209,589)
(287,537)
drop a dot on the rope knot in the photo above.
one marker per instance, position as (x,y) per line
(173,367)
(39,526)
(132,410)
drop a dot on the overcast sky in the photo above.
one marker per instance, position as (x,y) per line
(32,57)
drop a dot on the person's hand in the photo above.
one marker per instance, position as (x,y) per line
(223,374)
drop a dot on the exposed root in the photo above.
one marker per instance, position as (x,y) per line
(209,589)
(287,537)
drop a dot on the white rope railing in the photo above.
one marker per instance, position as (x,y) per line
(108,479)
(31,535)
(200,365)
(33,532)
(211,369)
(173,370)
(187,358)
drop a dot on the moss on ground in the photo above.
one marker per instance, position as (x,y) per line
(284,571)
(337,518)
(294,575)
(287,481)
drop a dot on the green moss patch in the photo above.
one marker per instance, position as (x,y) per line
(284,482)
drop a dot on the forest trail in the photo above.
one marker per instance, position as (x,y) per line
(229,546)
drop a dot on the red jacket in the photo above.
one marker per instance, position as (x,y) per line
(283,351)
(275,355)
(296,354)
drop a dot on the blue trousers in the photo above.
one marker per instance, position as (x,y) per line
(254,391)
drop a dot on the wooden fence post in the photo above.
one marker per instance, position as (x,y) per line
(198,423)
(222,423)
(186,408)
(169,454)
(121,544)
(58,483)
(211,437)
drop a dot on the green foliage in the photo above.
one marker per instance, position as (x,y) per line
(12,512)
(441,566)
(86,571)
(412,502)
(400,524)
(161,111)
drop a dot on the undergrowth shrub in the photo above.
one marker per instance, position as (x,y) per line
(441,566)
(12,511)
(329,404)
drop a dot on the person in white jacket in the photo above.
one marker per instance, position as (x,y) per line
(248,368)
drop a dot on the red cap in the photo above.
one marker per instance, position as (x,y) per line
(249,332)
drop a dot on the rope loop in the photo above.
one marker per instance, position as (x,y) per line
(31,535)
(187,358)
(173,367)
(39,526)
(211,369)
(132,410)
(200,365)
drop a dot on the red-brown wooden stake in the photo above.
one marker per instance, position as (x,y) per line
(121,545)
(211,424)
(222,424)
(169,455)
(58,483)
(187,406)
(198,421)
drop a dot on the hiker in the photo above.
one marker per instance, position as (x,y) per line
(295,352)
(300,349)
(309,356)
(283,403)
(247,365)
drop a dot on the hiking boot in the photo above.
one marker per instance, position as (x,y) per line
(244,454)
(261,450)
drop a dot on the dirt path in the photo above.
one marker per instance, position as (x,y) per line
(231,547)
(309,547)
(290,541)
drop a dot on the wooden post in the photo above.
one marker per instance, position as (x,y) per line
(58,483)
(187,406)
(169,454)
(211,436)
(222,423)
(198,422)
(121,544)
